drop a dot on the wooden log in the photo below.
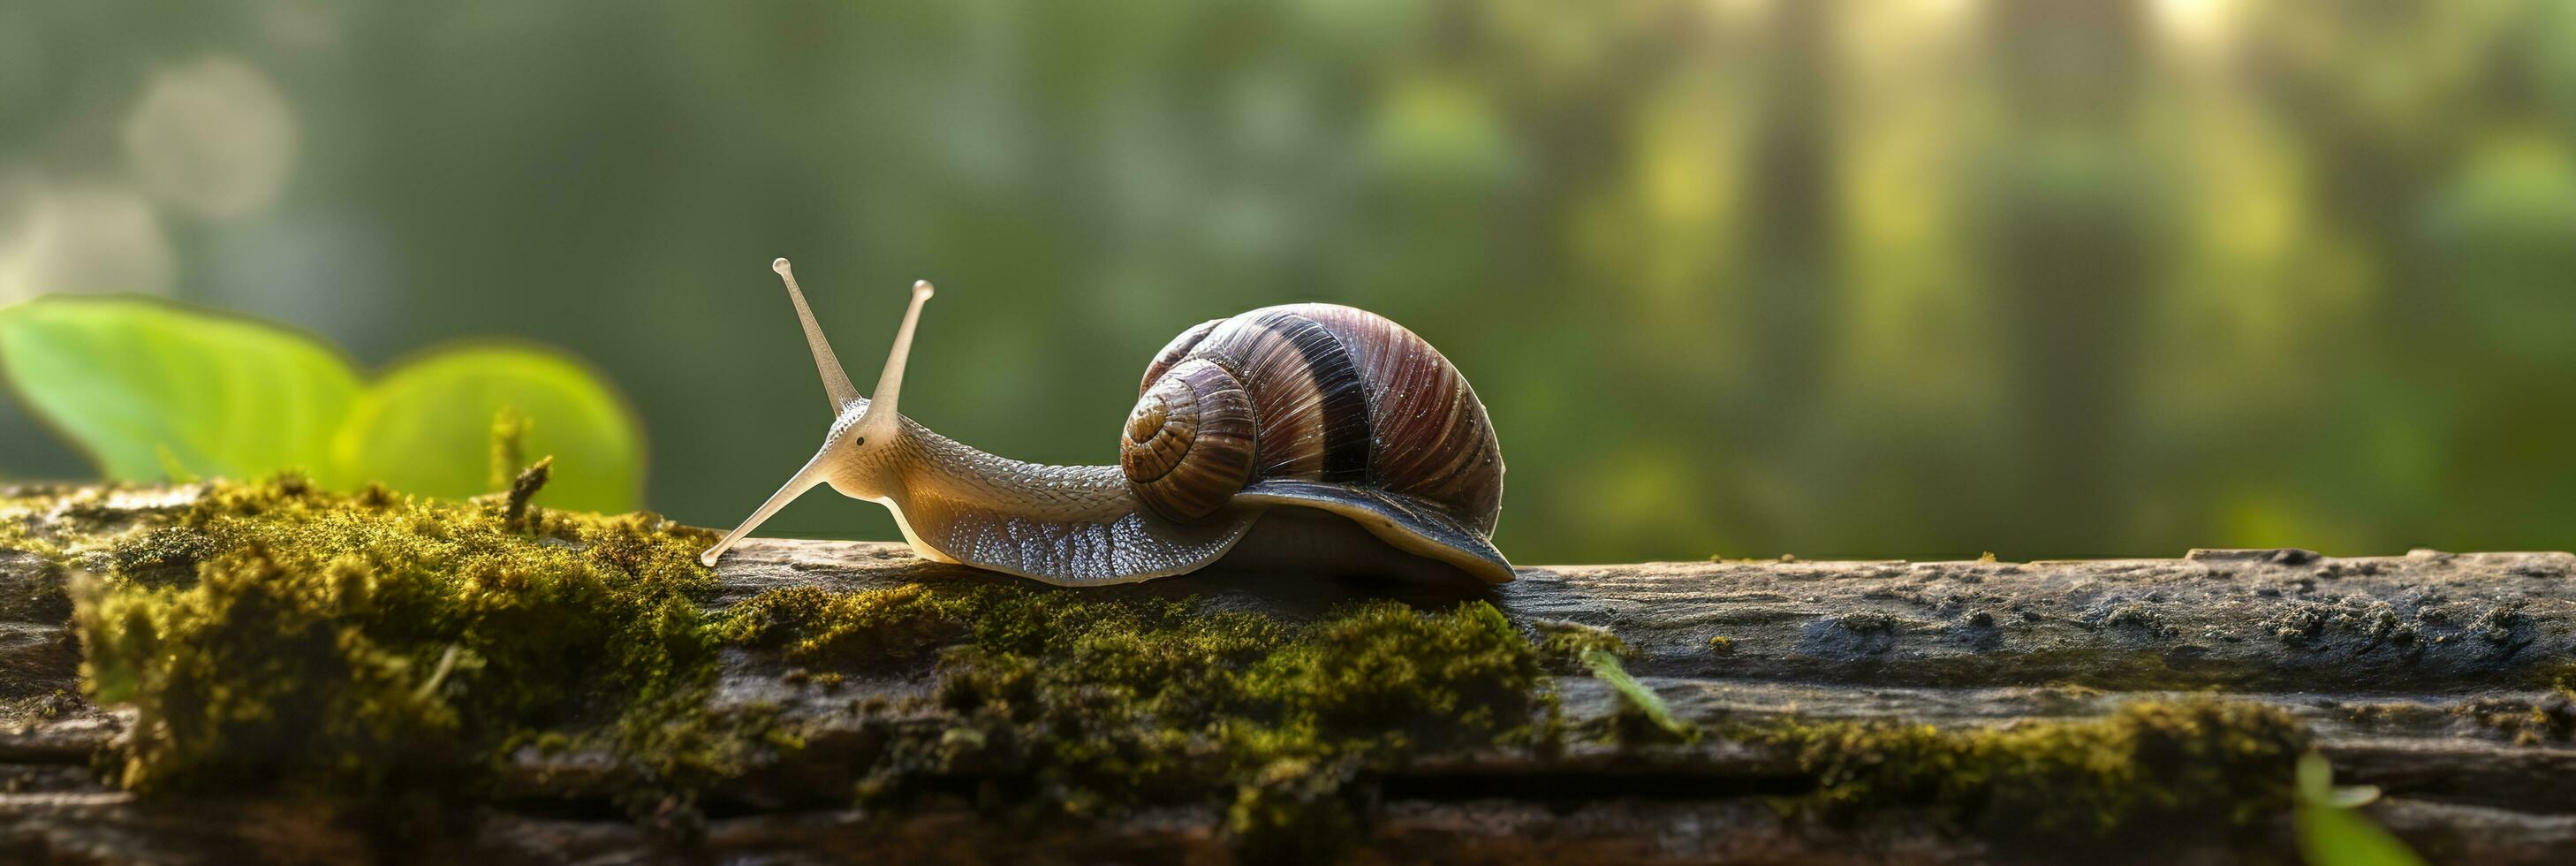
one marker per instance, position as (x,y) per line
(2245,620)
(2427,674)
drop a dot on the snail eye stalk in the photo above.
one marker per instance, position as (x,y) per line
(881,405)
(836,382)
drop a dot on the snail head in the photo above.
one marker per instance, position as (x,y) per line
(860,424)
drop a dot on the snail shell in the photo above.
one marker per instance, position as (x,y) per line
(1321,406)
(1189,443)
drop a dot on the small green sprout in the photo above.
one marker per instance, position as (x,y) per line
(1638,698)
(2332,831)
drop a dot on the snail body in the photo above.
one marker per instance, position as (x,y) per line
(1300,437)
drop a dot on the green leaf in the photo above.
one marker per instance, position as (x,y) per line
(427,426)
(2342,837)
(156,391)
(149,388)
(2332,833)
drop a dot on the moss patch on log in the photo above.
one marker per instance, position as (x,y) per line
(2196,763)
(374,646)
(276,634)
(20,517)
(1055,703)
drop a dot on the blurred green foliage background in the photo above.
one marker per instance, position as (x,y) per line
(1839,277)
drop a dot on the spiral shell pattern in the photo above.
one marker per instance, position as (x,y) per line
(1328,394)
(1188,444)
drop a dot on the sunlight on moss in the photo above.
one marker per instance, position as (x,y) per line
(298,641)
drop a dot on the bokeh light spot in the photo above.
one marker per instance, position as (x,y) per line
(213,137)
(79,239)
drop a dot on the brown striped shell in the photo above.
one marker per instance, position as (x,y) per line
(1312,403)
(1188,444)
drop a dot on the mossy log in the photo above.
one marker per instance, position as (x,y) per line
(2441,678)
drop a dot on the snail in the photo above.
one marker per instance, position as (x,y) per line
(1307,438)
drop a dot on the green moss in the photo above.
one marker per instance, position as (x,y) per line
(1390,676)
(2525,722)
(1294,812)
(1566,642)
(674,750)
(1057,704)
(162,555)
(19,515)
(14,517)
(349,641)
(810,625)
(2189,763)
(372,645)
